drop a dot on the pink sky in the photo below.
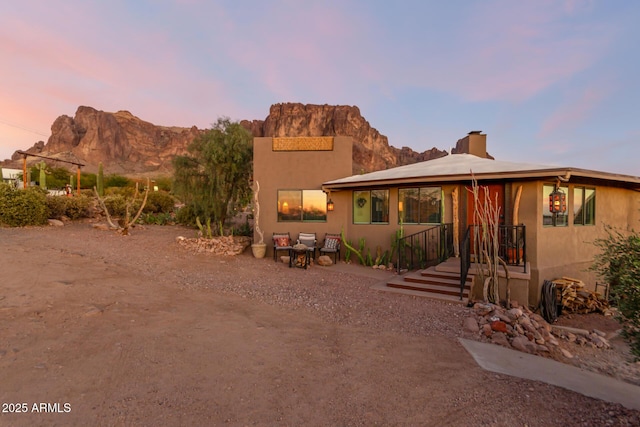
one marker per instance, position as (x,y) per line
(530,74)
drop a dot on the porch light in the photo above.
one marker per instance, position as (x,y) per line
(330,205)
(400,206)
(557,201)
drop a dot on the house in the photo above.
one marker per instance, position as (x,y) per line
(430,195)
(11,175)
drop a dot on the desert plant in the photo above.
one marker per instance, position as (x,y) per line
(159,202)
(127,221)
(618,263)
(57,206)
(100,180)
(78,206)
(22,207)
(214,178)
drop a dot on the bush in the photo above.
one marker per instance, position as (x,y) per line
(159,202)
(619,265)
(78,207)
(116,205)
(57,206)
(22,207)
(116,181)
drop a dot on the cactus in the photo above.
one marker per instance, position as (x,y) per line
(100,181)
(43,176)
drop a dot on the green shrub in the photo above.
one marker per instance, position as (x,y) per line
(157,218)
(186,215)
(57,206)
(159,202)
(116,205)
(22,207)
(116,181)
(78,207)
(619,265)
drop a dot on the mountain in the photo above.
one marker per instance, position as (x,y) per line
(128,145)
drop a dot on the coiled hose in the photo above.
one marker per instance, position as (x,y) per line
(549,302)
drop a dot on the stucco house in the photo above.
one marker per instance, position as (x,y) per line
(423,199)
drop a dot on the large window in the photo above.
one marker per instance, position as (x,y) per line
(420,205)
(371,207)
(549,218)
(584,206)
(302,205)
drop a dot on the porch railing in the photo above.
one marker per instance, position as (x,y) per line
(465,260)
(425,248)
(512,244)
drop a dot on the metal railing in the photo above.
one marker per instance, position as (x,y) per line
(465,260)
(425,248)
(512,244)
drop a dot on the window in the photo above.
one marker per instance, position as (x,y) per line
(549,218)
(371,207)
(420,205)
(302,206)
(584,206)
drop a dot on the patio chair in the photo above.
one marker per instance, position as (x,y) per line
(331,245)
(281,242)
(310,241)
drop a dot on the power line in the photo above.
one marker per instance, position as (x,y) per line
(18,126)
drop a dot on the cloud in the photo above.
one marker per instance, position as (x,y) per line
(574,111)
(511,51)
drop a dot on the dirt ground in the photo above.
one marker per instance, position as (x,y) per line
(108,330)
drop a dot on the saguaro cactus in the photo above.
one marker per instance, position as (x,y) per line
(100,181)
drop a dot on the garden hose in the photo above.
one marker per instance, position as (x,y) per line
(549,302)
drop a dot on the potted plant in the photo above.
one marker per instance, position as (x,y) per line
(259,249)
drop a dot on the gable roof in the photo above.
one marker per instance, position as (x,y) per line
(459,167)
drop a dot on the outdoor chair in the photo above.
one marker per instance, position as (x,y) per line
(331,245)
(310,241)
(281,242)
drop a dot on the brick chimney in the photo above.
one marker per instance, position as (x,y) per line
(474,143)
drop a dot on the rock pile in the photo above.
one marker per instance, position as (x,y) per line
(523,330)
(224,245)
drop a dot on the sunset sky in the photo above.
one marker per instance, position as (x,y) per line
(551,82)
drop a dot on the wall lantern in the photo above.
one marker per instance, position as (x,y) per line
(400,206)
(557,201)
(330,205)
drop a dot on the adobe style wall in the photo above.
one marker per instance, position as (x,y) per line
(300,163)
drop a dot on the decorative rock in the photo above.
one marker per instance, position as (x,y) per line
(498,326)
(515,312)
(324,260)
(500,339)
(523,344)
(56,222)
(471,325)
(486,330)
(566,353)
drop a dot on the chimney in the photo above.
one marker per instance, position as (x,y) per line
(474,143)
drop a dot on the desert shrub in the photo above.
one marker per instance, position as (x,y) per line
(22,207)
(116,181)
(157,218)
(159,202)
(164,183)
(243,229)
(78,207)
(116,204)
(619,265)
(126,192)
(57,206)
(186,215)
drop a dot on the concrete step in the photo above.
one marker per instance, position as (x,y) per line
(451,289)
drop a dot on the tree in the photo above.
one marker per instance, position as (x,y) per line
(618,263)
(213,180)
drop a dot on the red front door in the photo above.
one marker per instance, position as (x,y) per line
(495,195)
